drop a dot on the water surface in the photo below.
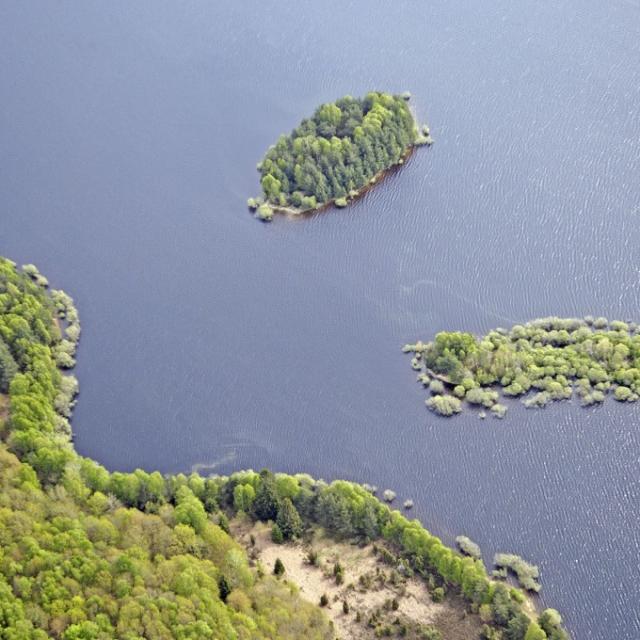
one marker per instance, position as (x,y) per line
(129,134)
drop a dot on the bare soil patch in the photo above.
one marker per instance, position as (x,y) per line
(381,601)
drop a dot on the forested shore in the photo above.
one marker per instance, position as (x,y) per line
(92,554)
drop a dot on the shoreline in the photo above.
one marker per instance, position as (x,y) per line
(357,193)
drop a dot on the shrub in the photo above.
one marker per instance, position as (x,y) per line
(436,387)
(278,568)
(264,212)
(389,495)
(539,400)
(459,391)
(324,600)
(444,405)
(276,534)
(430,633)
(624,394)
(469,547)
(499,410)
(484,397)
(437,595)
(526,573)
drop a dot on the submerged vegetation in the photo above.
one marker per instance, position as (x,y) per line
(332,156)
(92,555)
(539,362)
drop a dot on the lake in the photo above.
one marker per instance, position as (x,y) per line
(129,135)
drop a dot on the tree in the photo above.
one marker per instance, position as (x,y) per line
(265,504)
(189,510)
(224,589)
(8,367)
(243,497)
(278,568)
(534,632)
(517,627)
(289,520)
(276,534)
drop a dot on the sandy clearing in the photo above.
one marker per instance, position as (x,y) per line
(370,587)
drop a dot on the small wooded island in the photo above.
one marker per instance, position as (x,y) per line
(541,361)
(336,154)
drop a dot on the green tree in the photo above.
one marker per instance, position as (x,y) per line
(278,568)
(534,632)
(266,501)
(289,520)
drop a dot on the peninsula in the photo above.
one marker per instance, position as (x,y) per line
(332,157)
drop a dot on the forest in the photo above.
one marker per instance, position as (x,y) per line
(88,554)
(331,156)
(542,361)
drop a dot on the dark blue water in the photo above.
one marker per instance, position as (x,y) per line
(129,134)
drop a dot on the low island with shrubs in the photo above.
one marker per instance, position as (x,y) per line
(541,361)
(332,157)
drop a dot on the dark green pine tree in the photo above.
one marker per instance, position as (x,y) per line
(289,520)
(265,505)
(223,588)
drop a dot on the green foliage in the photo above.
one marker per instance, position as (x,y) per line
(264,212)
(469,547)
(276,534)
(444,405)
(266,501)
(243,497)
(288,520)
(542,361)
(437,595)
(430,633)
(527,573)
(534,632)
(8,367)
(337,151)
(278,568)
(551,623)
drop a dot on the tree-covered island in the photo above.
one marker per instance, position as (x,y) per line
(541,361)
(332,157)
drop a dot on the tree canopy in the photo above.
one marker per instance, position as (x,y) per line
(541,361)
(337,151)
